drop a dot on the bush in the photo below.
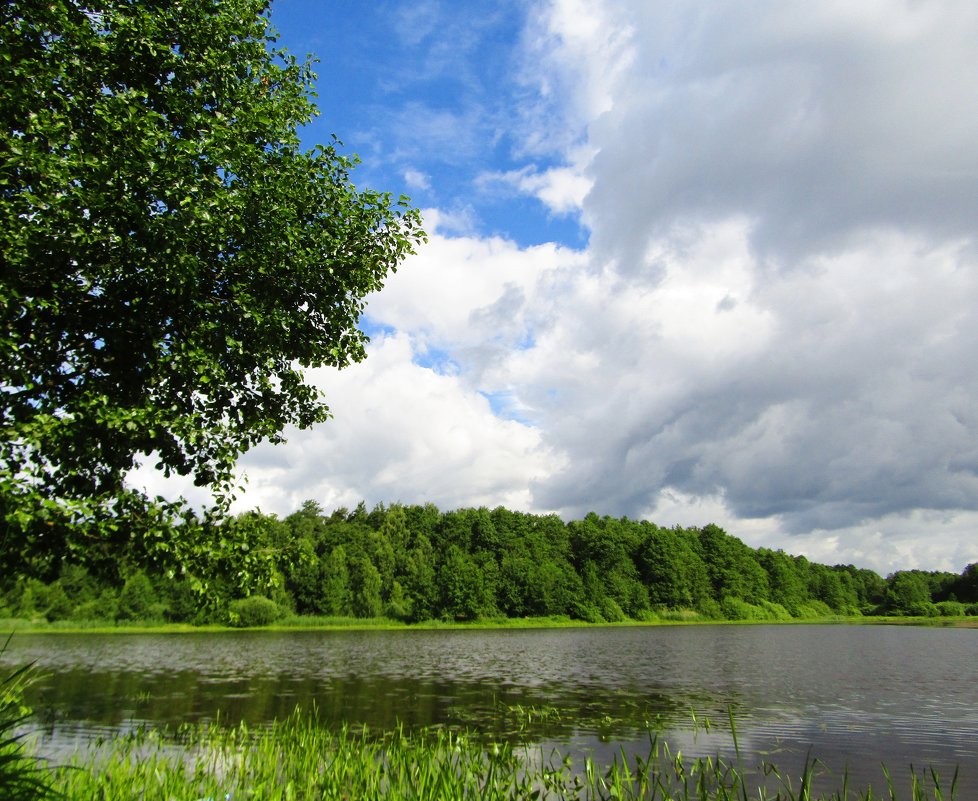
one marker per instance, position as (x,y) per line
(611,611)
(78,585)
(182,603)
(775,611)
(682,615)
(31,601)
(586,612)
(255,610)
(710,609)
(58,604)
(738,609)
(106,606)
(814,609)
(950,608)
(923,609)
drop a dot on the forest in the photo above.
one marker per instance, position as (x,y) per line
(415,563)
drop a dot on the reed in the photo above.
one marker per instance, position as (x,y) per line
(22,777)
(299,760)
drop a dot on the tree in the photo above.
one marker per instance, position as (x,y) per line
(464,595)
(966,588)
(420,578)
(137,598)
(365,582)
(335,594)
(171,258)
(672,570)
(732,566)
(907,593)
(787,585)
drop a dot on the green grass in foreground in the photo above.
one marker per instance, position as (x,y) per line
(298,760)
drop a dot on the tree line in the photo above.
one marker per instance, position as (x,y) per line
(415,563)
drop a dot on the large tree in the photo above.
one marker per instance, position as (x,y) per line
(171,257)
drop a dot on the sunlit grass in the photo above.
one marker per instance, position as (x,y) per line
(679,617)
(22,777)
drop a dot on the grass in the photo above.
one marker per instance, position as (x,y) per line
(22,777)
(681,617)
(308,622)
(297,760)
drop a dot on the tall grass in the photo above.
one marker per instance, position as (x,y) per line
(298,760)
(22,777)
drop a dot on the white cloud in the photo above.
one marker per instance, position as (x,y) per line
(415,179)
(401,432)
(473,295)
(560,189)
(574,53)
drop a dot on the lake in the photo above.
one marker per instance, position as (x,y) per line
(854,696)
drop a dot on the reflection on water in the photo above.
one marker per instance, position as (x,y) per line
(855,696)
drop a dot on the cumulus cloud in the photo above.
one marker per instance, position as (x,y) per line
(781,211)
(560,189)
(480,298)
(401,432)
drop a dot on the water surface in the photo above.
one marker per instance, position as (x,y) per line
(855,696)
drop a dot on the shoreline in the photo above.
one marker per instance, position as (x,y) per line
(18,626)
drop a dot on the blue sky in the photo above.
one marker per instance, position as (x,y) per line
(689,261)
(426,94)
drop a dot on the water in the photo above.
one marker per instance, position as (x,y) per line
(854,696)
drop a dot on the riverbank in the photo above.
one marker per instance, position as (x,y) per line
(20,626)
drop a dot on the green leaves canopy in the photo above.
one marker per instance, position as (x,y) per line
(170,257)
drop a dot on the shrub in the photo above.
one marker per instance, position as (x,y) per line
(775,611)
(78,585)
(611,611)
(950,608)
(31,601)
(398,605)
(58,604)
(738,609)
(586,612)
(255,610)
(814,609)
(710,609)
(683,615)
(182,603)
(922,609)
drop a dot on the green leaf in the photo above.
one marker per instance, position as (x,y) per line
(164,233)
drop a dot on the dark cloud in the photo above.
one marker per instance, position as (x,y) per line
(813,121)
(856,405)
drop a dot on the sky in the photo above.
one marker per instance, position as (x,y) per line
(688,262)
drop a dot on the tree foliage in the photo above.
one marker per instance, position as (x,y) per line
(171,258)
(415,563)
